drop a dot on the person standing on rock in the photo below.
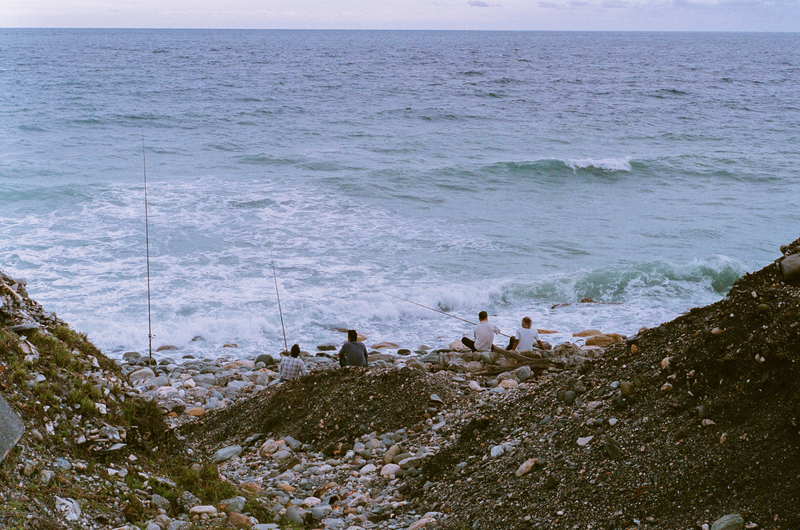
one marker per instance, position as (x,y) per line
(353,353)
(292,367)
(524,337)
(484,334)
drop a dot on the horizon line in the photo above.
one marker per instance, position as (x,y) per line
(395,29)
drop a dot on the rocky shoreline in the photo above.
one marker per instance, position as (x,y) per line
(693,424)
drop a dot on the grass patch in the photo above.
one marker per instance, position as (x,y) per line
(206,484)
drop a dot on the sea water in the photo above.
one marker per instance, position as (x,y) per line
(516,173)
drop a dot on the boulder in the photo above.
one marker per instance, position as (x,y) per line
(525,467)
(266,358)
(790,267)
(457,345)
(587,333)
(141,375)
(390,470)
(567,349)
(269,447)
(187,500)
(226,453)
(387,345)
(474,366)
(523,373)
(235,504)
(603,341)
(11,428)
(159,502)
(729,522)
(239,521)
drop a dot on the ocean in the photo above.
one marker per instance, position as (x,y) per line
(512,172)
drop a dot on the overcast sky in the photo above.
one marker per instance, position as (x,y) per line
(641,15)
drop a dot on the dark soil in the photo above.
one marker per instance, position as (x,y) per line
(329,407)
(673,472)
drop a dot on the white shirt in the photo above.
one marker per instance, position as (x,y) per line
(526,338)
(484,335)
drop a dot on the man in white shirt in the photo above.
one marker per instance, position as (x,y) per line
(484,334)
(524,337)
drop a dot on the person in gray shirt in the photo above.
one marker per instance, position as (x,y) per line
(353,353)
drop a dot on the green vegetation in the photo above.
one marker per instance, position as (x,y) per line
(65,358)
(206,484)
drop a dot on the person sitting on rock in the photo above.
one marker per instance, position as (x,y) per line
(292,367)
(484,334)
(353,353)
(524,337)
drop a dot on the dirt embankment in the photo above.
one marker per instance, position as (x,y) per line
(674,428)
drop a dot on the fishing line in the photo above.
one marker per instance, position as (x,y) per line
(440,312)
(147,247)
(277,293)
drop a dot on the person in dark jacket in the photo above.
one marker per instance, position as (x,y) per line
(353,353)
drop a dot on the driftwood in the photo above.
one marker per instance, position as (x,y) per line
(10,290)
(535,363)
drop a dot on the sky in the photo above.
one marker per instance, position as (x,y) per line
(525,15)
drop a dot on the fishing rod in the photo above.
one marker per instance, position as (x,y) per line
(277,293)
(440,312)
(147,246)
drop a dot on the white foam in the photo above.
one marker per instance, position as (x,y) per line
(606,164)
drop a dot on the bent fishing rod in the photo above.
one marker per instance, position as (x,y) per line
(147,247)
(277,293)
(440,312)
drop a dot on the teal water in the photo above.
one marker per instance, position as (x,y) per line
(462,170)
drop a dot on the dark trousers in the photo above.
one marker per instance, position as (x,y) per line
(468,343)
(471,343)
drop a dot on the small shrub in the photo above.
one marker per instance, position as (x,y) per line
(207,484)
(133,511)
(87,406)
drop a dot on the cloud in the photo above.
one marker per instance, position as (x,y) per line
(477,3)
